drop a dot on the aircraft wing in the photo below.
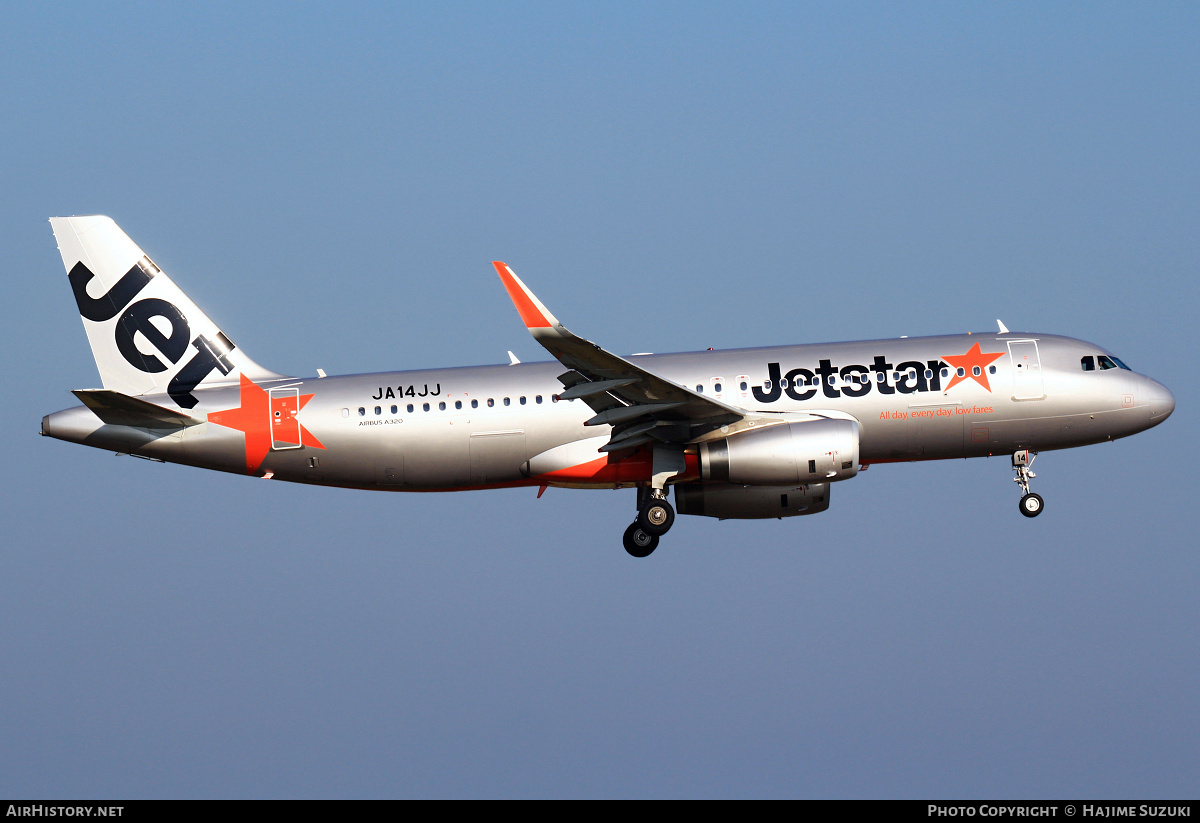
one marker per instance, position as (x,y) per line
(641,406)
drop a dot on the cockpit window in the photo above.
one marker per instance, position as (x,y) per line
(1088,363)
(1105,362)
(1122,365)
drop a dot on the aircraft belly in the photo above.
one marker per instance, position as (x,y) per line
(883,433)
(205,445)
(435,455)
(496,456)
(935,430)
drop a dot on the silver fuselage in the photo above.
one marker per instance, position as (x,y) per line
(485,426)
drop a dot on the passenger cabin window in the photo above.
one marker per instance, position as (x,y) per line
(395,409)
(378,410)
(474,404)
(345,412)
(424,407)
(991,369)
(699,390)
(961,372)
(538,400)
(491,402)
(975,370)
(522,401)
(457,404)
(441,406)
(362,411)
(743,385)
(410,408)
(507,401)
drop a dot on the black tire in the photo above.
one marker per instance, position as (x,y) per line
(637,542)
(656,516)
(1032,505)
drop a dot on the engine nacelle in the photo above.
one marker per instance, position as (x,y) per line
(728,501)
(790,454)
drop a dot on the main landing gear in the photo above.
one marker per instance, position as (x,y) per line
(654,519)
(1031,504)
(637,542)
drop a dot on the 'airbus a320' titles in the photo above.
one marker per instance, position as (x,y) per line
(744,433)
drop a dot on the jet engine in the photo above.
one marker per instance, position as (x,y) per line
(729,501)
(788,454)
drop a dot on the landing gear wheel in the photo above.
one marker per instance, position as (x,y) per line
(1032,505)
(637,542)
(656,516)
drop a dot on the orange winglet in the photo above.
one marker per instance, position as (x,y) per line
(526,307)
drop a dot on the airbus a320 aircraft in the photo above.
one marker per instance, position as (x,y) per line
(745,433)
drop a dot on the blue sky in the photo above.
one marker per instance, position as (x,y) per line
(331,184)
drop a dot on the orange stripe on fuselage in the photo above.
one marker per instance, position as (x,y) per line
(530,313)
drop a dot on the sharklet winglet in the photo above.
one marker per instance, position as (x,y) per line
(533,312)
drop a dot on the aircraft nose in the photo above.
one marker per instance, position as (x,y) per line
(1162,402)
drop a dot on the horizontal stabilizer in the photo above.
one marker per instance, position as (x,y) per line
(118,409)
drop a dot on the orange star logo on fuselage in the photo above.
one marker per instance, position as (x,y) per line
(974,358)
(253,418)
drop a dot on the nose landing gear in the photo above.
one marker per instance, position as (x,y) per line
(1031,504)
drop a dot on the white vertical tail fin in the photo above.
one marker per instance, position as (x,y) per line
(147,336)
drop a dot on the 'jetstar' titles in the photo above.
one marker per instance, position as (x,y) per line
(855,380)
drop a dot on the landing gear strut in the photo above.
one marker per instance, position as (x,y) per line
(1031,504)
(655,515)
